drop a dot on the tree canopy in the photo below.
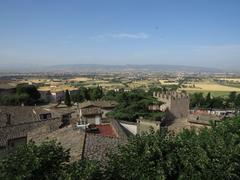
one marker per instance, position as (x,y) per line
(67,99)
(132,105)
(26,94)
(205,154)
(210,102)
(83,94)
(31,90)
(30,161)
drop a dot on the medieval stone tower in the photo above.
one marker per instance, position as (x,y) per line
(177,103)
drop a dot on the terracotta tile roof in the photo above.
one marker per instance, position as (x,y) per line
(106,130)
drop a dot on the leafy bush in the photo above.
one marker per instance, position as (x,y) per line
(30,161)
(132,105)
(207,154)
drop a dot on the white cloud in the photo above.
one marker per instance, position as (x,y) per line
(122,36)
(130,36)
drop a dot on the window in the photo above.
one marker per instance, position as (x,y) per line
(45,116)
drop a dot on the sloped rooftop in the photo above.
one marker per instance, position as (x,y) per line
(106,130)
(97,147)
(100,104)
(91,111)
(68,137)
(21,130)
(20,114)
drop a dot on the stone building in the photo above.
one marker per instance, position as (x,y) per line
(93,112)
(91,115)
(19,125)
(97,146)
(176,103)
(17,121)
(57,96)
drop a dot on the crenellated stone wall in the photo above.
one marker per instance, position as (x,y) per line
(176,102)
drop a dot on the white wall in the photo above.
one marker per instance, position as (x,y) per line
(130,127)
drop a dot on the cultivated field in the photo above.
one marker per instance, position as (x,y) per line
(209,86)
(56,88)
(230,79)
(80,79)
(168,82)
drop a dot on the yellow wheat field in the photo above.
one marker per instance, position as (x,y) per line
(165,82)
(57,88)
(210,87)
(231,79)
(77,79)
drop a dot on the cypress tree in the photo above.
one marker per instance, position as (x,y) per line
(67,99)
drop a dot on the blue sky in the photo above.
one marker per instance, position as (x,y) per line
(181,32)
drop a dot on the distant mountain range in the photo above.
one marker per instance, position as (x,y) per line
(96,68)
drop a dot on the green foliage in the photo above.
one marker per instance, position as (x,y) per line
(207,154)
(67,99)
(83,94)
(30,161)
(14,99)
(232,96)
(30,90)
(162,88)
(95,93)
(139,158)
(234,100)
(198,100)
(237,101)
(26,94)
(46,161)
(83,170)
(132,105)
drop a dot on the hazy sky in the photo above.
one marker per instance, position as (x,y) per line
(182,32)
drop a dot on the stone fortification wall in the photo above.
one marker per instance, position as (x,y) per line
(177,103)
